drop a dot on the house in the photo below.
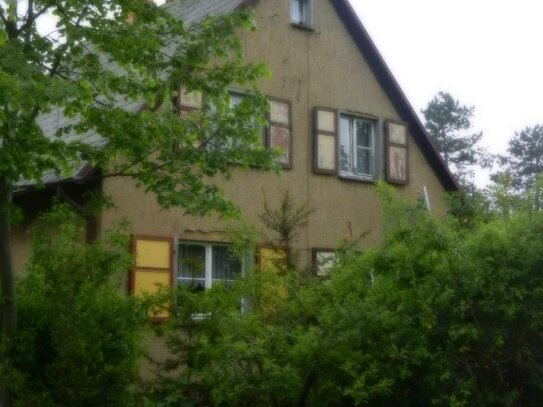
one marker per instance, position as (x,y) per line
(342,122)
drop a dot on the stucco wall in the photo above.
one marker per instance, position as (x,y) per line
(20,244)
(322,67)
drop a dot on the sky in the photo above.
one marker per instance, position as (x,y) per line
(485,53)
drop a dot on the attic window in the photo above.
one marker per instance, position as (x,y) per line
(300,13)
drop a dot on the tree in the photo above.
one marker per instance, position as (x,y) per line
(449,125)
(80,339)
(100,60)
(524,161)
(285,222)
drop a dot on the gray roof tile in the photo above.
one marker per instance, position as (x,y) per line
(190,11)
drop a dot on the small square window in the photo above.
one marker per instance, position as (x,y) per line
(300,12)
(357,146)
(324,261)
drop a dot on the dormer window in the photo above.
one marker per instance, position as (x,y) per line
(300,12)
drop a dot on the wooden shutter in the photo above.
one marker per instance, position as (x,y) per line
(280,130)
(396,152)
(325,139)
(153,268)
(272,258)
(188,101)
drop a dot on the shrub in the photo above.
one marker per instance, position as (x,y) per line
(79,336)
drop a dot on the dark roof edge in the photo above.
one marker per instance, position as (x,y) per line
(394,92)
(85,174)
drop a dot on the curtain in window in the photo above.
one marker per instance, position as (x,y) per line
(192,263)
(224,266)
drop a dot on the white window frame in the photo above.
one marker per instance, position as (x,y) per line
(353,172)
(208,271)
(301,12)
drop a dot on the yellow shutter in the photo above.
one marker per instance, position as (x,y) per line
(153,268)
(272,259)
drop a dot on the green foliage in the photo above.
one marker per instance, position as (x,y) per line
(79,337)
(450,317)
(97,88)
(449,125)
(97,62)
(266,355)
(524,163)
(439,314)
(285,222)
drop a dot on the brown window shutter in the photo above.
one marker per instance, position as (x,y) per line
(279,133)
(153,268)
(325,140)
(396,152)
(188,101)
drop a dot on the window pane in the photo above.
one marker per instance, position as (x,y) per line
(363,161)
(224,265)
(363,134)
(192,264)
(296,10)
(344,144)
(235,99)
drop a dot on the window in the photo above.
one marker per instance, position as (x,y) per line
(324,261)
(300,12)
(231,142)
(356,147)
(202,265)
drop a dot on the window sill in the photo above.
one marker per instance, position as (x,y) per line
(304,27)
(360,178)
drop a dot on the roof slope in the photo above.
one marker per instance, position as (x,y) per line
(191,11)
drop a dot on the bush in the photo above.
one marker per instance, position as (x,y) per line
(438,314)
(79,336)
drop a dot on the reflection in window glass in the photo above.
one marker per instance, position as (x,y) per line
(201,265)
(192,265)
(344,145)
(224,265)
(356,146)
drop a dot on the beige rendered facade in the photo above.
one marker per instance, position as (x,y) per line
(325,64)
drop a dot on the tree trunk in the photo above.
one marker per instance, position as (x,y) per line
(7,275)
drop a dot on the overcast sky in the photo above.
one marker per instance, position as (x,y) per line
(486,53)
